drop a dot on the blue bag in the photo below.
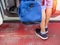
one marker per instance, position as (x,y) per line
(29,11)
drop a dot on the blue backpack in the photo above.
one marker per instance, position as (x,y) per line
(29,11)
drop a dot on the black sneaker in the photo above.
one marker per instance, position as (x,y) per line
(39,34)
(46,30)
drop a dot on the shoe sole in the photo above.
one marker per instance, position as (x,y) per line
(41,37)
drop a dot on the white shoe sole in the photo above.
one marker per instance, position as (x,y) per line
(46,31)
(41,37)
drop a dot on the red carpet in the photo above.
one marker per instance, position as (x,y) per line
(19,34)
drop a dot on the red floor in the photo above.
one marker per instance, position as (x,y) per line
(19,34)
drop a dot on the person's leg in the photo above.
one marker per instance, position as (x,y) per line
(43,5)
(40,32)
(48,15)
(42,24)
(48,11)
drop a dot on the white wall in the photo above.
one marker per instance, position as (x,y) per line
(58,5)
(1,20)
